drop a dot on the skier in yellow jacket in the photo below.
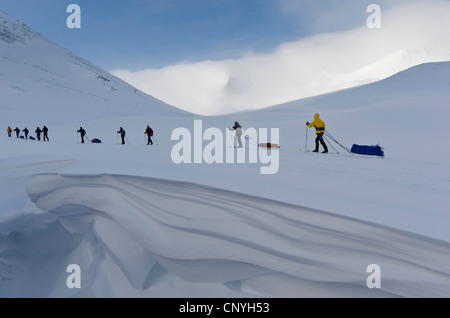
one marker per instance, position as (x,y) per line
(320,129)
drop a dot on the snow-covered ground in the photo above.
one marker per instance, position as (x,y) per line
(140,225)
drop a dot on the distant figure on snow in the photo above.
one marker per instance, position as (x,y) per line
(17,130)
(238,130)
(45,131)
(9,130)
(82,133)
(38,133)
(149,133)
(320,130)
(26,131)
(122,135)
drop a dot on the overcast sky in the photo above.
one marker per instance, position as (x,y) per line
(216,56)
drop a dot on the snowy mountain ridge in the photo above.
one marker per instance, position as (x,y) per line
(13,31)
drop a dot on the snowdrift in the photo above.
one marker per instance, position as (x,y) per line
(143,236)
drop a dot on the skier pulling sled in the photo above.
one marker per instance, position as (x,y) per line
(239,132)
(82,133)
(322,135)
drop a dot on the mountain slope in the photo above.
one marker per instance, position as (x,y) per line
(39,78)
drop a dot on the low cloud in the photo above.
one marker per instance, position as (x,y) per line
(410,34)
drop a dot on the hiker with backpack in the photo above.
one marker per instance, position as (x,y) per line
(122,134)
(26,131)
(149,133)
(38,133)
(9,130)
(17,130)
(45,131)
(319,124)
(238,130)
(82,133)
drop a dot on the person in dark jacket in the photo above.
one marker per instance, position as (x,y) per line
(45,131)
(122,135)
(17,130)
(238,130)
(320,130)
(26,131)
(38,133)
(149,133)
(82,133)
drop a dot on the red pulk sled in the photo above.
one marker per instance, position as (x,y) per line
(269,145)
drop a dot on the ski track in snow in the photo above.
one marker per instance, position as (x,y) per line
(152,229)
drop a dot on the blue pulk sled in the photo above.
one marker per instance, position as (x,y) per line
(362,150)
(376,150)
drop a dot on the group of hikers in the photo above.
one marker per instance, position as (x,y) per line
(81,131)
(317,123)
(122,132)
(38,132)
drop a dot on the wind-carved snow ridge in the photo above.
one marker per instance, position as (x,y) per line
(186,236)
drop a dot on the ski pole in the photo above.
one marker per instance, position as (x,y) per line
(155,140)
(306,139)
